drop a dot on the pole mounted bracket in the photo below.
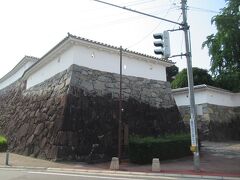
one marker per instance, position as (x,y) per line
(185,26)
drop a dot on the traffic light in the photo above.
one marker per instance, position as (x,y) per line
(162,43)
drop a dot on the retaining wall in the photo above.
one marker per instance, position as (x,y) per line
(74,114)
(215,122)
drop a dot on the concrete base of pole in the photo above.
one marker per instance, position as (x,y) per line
(196,160)
(114,164)
(156,165)
(7,159)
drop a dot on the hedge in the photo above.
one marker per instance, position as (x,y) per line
(3,144)
(143,150)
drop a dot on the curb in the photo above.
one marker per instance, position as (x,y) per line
(22,167)
(111,172)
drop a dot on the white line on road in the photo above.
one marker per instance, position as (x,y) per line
(99,177)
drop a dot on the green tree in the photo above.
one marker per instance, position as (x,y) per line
(200,76)
(224,47)
(228,80)
(171,71)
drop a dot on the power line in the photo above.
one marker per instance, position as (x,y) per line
(177,20)
(140,3)
(192,8)
(139,12)
(136,1)
(150,31)
(127,19)
(161,8)
(202,9)
(144,37)
(157,12)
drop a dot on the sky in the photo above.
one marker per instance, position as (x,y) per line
(33,27)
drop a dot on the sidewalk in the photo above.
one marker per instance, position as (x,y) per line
(217,159)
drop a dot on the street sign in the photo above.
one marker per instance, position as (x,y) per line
(193,135)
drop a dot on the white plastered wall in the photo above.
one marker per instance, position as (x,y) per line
(223,98)
(210,96)
(58,64)
(109,62)
(99,60)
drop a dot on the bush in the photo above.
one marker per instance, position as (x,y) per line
(200,76)
(143,150)
(3,144)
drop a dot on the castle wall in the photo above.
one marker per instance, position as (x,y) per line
(215,122)
(74,114)
(30,119)
(91,116)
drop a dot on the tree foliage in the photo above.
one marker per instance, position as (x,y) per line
(228,80)
(200,76)
(171,71)
(224,46)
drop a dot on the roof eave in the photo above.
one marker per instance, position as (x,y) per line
(43,60)
(201,87)
(23,61)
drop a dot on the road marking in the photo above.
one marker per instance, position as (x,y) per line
(117,174)
(100,176)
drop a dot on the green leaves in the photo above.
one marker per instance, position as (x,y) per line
(200,76)
(3,144)
(224,46)
(171,71)
(143,149)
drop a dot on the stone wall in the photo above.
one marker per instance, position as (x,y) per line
(98,83)
(91,116)
(31,118)
(74,115)
(216,122)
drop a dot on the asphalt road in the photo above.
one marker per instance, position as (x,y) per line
(21,174)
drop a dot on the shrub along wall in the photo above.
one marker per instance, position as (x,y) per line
(143,150)
(3,144)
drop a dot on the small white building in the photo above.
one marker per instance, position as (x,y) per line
(205,94)
(213,105)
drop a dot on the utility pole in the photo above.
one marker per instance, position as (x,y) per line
(193,120)
(120,109)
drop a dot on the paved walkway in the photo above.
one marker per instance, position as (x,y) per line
(220,159)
